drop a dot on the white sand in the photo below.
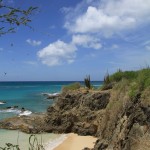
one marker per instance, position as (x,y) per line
(76,142)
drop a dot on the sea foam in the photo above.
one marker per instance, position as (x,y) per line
(10,110)
(50,94)
(1,103)
(25,113)
(16,111)
(54,143)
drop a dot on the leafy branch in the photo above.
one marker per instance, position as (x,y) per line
(12,17)
(10,146)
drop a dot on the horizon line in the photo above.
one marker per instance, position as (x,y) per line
(56,81)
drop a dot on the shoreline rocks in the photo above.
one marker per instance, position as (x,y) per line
(28,124)
(2,102)
(51,96)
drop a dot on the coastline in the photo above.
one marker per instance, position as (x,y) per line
(75,142)
(52,144)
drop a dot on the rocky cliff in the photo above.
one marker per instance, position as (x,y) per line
(119,121)
(77,111)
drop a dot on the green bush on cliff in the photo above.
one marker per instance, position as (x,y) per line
(138,80)
(144,78)
(118,76)
(145,97)
(73,86)
(133,89)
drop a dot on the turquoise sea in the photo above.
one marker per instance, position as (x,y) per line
(28,95)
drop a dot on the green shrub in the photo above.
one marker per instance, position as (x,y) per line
(138,81)
(143,78)
(133,89)
(87,82)
(118,76)
(10,146)
(122,85)
(33,142)
(145,97)
(107,78)
(73,86)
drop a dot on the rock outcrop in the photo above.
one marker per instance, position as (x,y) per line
(29,124)
(76,111)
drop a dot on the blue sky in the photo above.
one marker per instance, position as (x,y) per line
(72,39)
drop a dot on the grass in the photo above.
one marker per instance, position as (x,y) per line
(126,86)
(140,76)
(145,97)
(138,81)
(119,75)
(73,86)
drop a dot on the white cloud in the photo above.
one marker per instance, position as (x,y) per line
(111,17)
(92,21)
(33,42)
(57,53)
(86,41)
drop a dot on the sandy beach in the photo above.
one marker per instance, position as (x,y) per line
(76,142)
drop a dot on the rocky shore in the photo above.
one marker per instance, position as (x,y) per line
(119,121)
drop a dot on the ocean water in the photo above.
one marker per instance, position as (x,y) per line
(27,95)
(48,140)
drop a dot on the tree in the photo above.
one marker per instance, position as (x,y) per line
(11,17)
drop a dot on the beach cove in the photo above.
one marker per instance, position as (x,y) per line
(49,141)
(29,90)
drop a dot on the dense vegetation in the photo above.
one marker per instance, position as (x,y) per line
(137,81)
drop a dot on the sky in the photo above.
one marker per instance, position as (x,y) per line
(70,39)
